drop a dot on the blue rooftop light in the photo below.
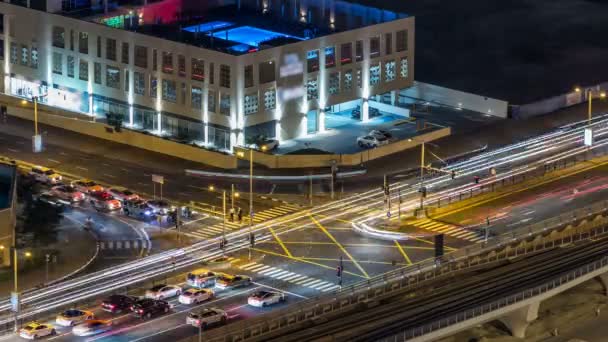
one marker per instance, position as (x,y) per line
(249,35)
(210,26)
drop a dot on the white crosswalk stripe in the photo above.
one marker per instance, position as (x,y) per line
(447,229)
(291,277)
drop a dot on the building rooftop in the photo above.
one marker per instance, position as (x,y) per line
(236,26)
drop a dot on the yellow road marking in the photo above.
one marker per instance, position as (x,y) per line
(363,262)
(339,245)
(280,242)
(304,260)
(407,258)
(368,245)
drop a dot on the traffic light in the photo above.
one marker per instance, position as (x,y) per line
(252,239)
(453,174)
(438,245)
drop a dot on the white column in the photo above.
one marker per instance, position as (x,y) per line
(517,321)
(321,120)
(394,97)
(364,110)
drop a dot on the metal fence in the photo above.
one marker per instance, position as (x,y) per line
(497,248)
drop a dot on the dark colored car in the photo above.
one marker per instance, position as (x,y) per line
(118,303)
(149,307)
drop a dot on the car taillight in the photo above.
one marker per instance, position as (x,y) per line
(198,321)
(141,311)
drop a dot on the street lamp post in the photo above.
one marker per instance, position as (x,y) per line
(15,294)
(422,190)
(241,154)
(589,93)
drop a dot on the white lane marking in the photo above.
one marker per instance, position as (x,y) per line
(279,290)
(304,280)
(529,212)
(310,283)
(123,169)
(197,187)
(82,168)
(105,164)
(331,288)
(276,274)
(293,277)
(13,150)
(247,265)
(63,153)
(256,268)
(269,271)
(109,175)
(282,277)
(53,160)
(323,286)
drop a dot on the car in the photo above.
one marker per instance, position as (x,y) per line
(160,207)
(72,317)
(118,303)
(35,330)
(87,186)
(163,291)
(201,278)
(195,296)
(267,144)
(380,133)
(138,208)
(67,193)
(206,317)
(103,200)
(370,141)
(123,194)
(149,307)
(50,199)
(45,175)
(230,282)
(265,298)
(92,327)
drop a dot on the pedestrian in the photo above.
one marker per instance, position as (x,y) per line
(240,215)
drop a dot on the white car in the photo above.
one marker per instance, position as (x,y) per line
(123,194)
(265,298)
(35,330)
(45,175)
(92,327)
(195,296)
(380,133)
(370,141)
(202,278)
(163,291)
(72,317)
(206,317)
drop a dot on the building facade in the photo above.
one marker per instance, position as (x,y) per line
(8,204)
(251,67)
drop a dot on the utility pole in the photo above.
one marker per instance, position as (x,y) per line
(224,222)
(250,195)
(422,191)
(46,274)
(384,189)
(310,188)
(232,196)
(399,203)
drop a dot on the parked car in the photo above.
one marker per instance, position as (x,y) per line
(265,298)
(148,307)
(370,141)
(195,296)
(206,317)
(45,175)
(87,186)
(67,193)
(380,133)
(35,330)
(163,291)
(92,327)
(123,194)
(201,278)
(104,201)
(138,208)
(160,207)
(118,303)
(231,282)
(72,317)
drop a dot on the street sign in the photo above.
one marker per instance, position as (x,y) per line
(15,301)
(588,137)
(158,179)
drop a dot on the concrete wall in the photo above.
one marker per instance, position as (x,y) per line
(554,103)
(388,108)
(457,99)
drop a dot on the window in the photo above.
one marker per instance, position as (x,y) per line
(224,104)
(111,49)
(154,59)
(374,74)
(97,73)
(389,71)
(359,50)
(403,71)
(98,47)
(71,66)
(58,37)
(266,72)
(359,79)
(388,41)
(211,99)
(83,42)
(248,76)
(124,55)
(224,76)
(334,83)
(139,83)
(25,55)
(169,91)
(141,56)
(182,95)
(330,57)
(57,63)
(112,77)
(72,40)
(196,98)
(83,70)
(312,61)
(250,103)
(401,38)
(153,86)
(34,56)
(167,62)
(374,47)
(127,80)
(211,73)
(270,99)
(181,65)
(312,89)
(198,69)
(346,53)
(348,80)
(14,53)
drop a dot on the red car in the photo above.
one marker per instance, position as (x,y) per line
(67,193)
(103,200)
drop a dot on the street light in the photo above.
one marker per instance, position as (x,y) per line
(590,93)
(241,154)
(212,188)
(15,294)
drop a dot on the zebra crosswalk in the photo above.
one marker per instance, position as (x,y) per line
(275,212)
(447,229)
(291,277)
(208,232)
